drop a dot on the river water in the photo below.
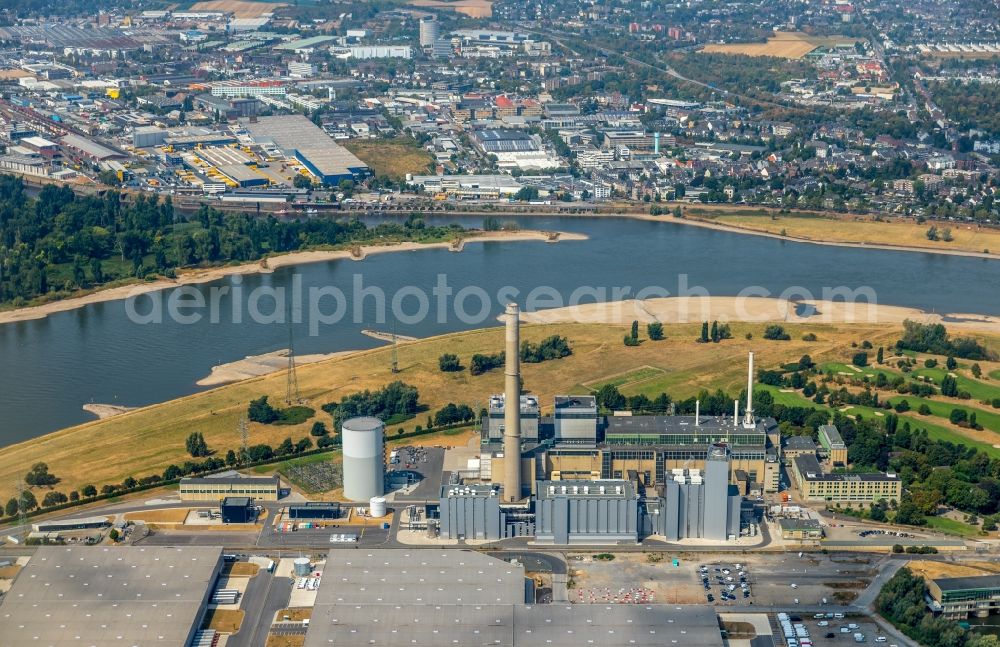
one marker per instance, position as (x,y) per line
(50,367)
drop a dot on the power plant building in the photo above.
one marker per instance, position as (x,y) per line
(586,512)
(493,423)
(575,419)
(699,505)
(471,512)
(363,444)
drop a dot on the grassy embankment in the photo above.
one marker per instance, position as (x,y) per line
(147,440)
(854,229)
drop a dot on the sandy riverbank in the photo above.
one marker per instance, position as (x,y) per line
(270,264)
(103,411)
(754,309)
(257,365)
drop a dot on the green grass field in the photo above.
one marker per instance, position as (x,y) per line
(976,388)
(846,370)
(987,419)
(952,527)
(934,431)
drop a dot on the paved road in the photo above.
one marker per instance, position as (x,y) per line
(534,561)
(265,596)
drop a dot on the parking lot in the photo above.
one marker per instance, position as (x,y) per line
(777,580)
(831,630)
(421,467)
(727,583)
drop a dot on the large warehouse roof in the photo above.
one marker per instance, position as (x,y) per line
(454,597)
(306,141)
(97,596)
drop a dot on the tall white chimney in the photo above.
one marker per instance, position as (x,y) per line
(736,413)
(748,421)
(697,412)
(512,407)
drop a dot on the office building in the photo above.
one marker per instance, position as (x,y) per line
(957,598)
(833,445)
(815,485)
(428,31)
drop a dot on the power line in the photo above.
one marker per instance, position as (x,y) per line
(292,383)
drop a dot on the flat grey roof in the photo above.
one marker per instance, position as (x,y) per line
(108,595)
(454,597)
(419,577)
(681,425)
(238,480)
(296,133)
(800,443)
(89,146)
(833,436)
(977,582)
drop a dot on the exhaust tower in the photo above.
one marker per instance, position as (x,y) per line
(748,420)
(512,407)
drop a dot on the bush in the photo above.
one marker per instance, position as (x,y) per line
(958,416)
(262,412)
(449,363)
(451,414)
(860,359)
(933,338)
(776,332)
(295,415)
(924,410)
(809,337)
(196,445)
(394,398)
(482,363)
(554,347)
(318,429)
(629,340)
(654,331)
(930,362)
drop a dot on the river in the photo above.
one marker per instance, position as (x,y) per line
(51,367)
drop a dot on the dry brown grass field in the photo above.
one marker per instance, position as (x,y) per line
(392,157)
(223,620)
(858,229)
(783,44)
(239,8)
(147,440)
(932,569)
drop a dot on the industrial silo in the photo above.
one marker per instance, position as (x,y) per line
(302,566)
(364,458)
(376,507)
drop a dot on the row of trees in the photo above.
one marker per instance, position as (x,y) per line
(396,399)
(553,347)
(59,241)
(259,453)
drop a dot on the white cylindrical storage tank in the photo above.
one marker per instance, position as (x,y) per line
(362,440)
(302,566)
(376,507)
